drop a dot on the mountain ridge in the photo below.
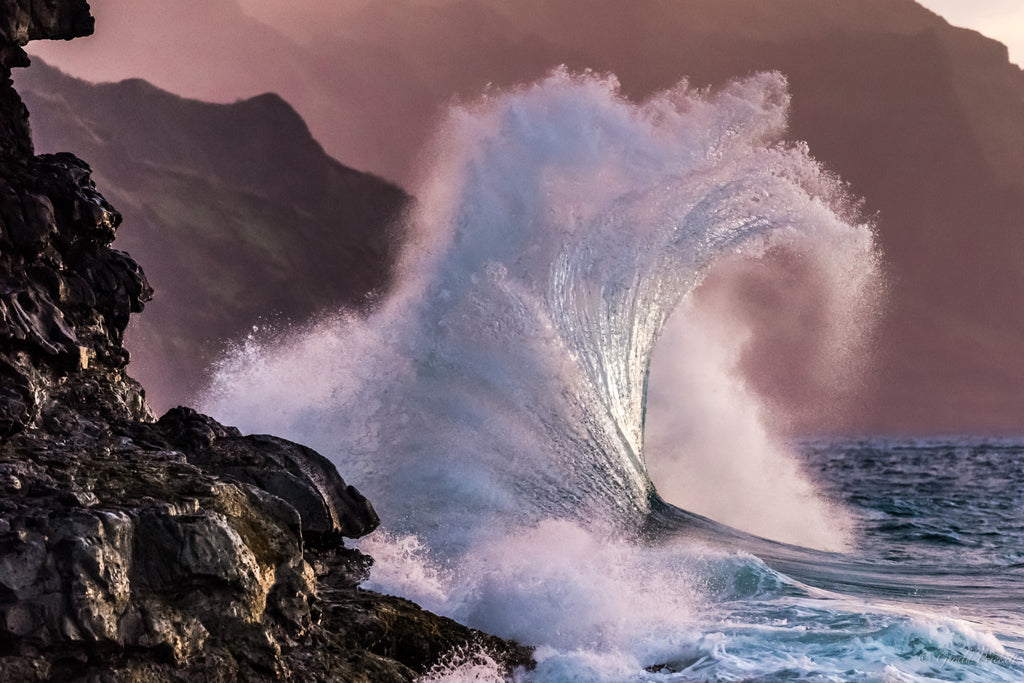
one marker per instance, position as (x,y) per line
(233,205)
(920,117)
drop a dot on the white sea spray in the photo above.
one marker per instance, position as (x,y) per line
(493,408)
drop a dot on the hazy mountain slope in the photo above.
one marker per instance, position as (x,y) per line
(925,120)
(235,212)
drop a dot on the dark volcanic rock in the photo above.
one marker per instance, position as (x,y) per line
(329,508)
(20,22)
(104,553)
(172,550)
(65,296)
(25,20)
(120,556)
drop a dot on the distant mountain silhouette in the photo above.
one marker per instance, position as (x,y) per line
(237,215)
(926,122)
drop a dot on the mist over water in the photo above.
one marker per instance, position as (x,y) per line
(495,409)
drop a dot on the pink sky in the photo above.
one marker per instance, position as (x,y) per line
(999,19)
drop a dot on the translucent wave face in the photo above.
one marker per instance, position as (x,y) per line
(558,227)
(493,409)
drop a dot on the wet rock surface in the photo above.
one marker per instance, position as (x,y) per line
(159,550)
(122,554)
(330,509)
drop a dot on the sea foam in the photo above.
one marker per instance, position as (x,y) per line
(495,407)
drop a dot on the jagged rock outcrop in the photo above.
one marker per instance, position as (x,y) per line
(329,508)
(65,296)
(20,22)
(104,554)
(136,550)
(159,550)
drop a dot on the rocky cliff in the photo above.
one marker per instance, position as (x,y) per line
(160,550)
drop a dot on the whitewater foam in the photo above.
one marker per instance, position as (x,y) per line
(494,408)
(560,228)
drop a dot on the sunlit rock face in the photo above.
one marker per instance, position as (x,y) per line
(116,538)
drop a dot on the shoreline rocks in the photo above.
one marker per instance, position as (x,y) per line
(122,551)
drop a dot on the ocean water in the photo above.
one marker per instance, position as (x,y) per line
(563,441)
(930,589)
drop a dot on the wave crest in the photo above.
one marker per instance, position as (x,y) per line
(558,227)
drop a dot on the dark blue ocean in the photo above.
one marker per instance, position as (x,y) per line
(940,525)
(931,589)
